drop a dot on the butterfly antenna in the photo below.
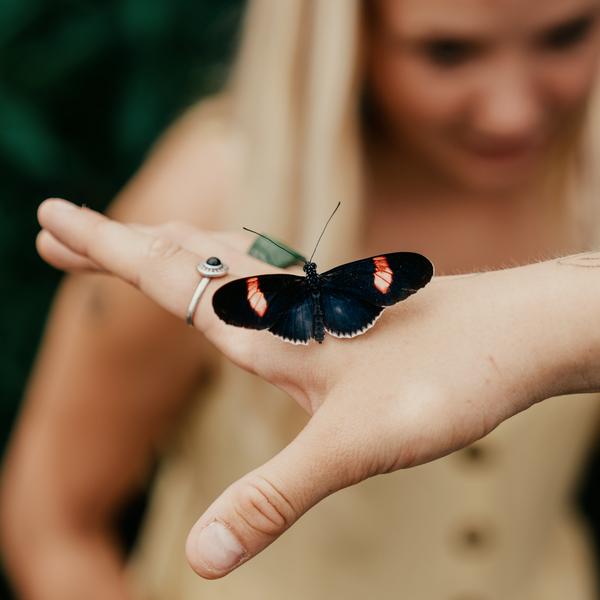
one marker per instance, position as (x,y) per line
(272,242)
(322,232)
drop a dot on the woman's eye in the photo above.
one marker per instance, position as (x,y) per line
(448,52)
(567,35)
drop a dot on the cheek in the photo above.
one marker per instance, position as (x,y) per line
(567,83)
(413,98)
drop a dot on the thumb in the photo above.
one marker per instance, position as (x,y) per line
(255,510)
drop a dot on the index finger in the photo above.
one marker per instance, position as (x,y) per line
(156,264)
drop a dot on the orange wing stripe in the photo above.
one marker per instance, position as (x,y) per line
(256,298)
(383,276)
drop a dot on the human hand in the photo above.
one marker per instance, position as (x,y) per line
(437,372)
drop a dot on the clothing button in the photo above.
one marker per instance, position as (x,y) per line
(474,538)
(476,454)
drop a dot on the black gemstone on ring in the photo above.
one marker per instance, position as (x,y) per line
(213,261)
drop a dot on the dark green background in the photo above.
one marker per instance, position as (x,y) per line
(85,87)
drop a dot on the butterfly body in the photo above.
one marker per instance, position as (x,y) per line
(343,302)
(313,283)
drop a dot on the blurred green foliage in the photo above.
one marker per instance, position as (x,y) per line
(85,87)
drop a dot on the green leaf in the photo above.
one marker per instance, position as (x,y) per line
(267,252)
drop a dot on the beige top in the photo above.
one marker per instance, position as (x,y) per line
(492,522)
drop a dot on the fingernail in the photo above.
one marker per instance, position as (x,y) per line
(218,548)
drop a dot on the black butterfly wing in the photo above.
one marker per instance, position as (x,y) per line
(296,325)
(382,280)
(354,294)
(345,315)
(277,302)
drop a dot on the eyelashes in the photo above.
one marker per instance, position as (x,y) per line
(567,35)
(448,52)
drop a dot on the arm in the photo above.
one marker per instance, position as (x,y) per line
(438,371)
(113,373)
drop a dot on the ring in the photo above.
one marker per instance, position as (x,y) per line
(211,267)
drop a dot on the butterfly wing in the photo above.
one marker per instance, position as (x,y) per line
(382,280)
(296,325)
(277,302)
(346,315)
(354,294)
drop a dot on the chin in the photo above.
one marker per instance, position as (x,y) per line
(495,177)
(493,186)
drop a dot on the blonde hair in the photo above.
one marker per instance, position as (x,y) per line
(294,92)
(585,176)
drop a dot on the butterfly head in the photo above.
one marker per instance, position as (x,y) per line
(310,268)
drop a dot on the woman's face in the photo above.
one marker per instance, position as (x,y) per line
(476,89)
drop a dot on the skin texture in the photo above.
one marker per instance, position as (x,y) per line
(123,368)
(482,349)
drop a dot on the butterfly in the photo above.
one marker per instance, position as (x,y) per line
(343,302)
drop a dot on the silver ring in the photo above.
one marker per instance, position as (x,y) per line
(211,267)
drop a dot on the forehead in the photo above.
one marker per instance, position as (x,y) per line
(476,16)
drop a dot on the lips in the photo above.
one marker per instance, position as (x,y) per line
(505,150)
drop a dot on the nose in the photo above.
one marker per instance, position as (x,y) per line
(508,109)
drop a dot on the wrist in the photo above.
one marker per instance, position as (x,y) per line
(565,313)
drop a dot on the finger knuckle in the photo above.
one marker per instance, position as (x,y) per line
(162,248)
(263,507)
(174,227)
